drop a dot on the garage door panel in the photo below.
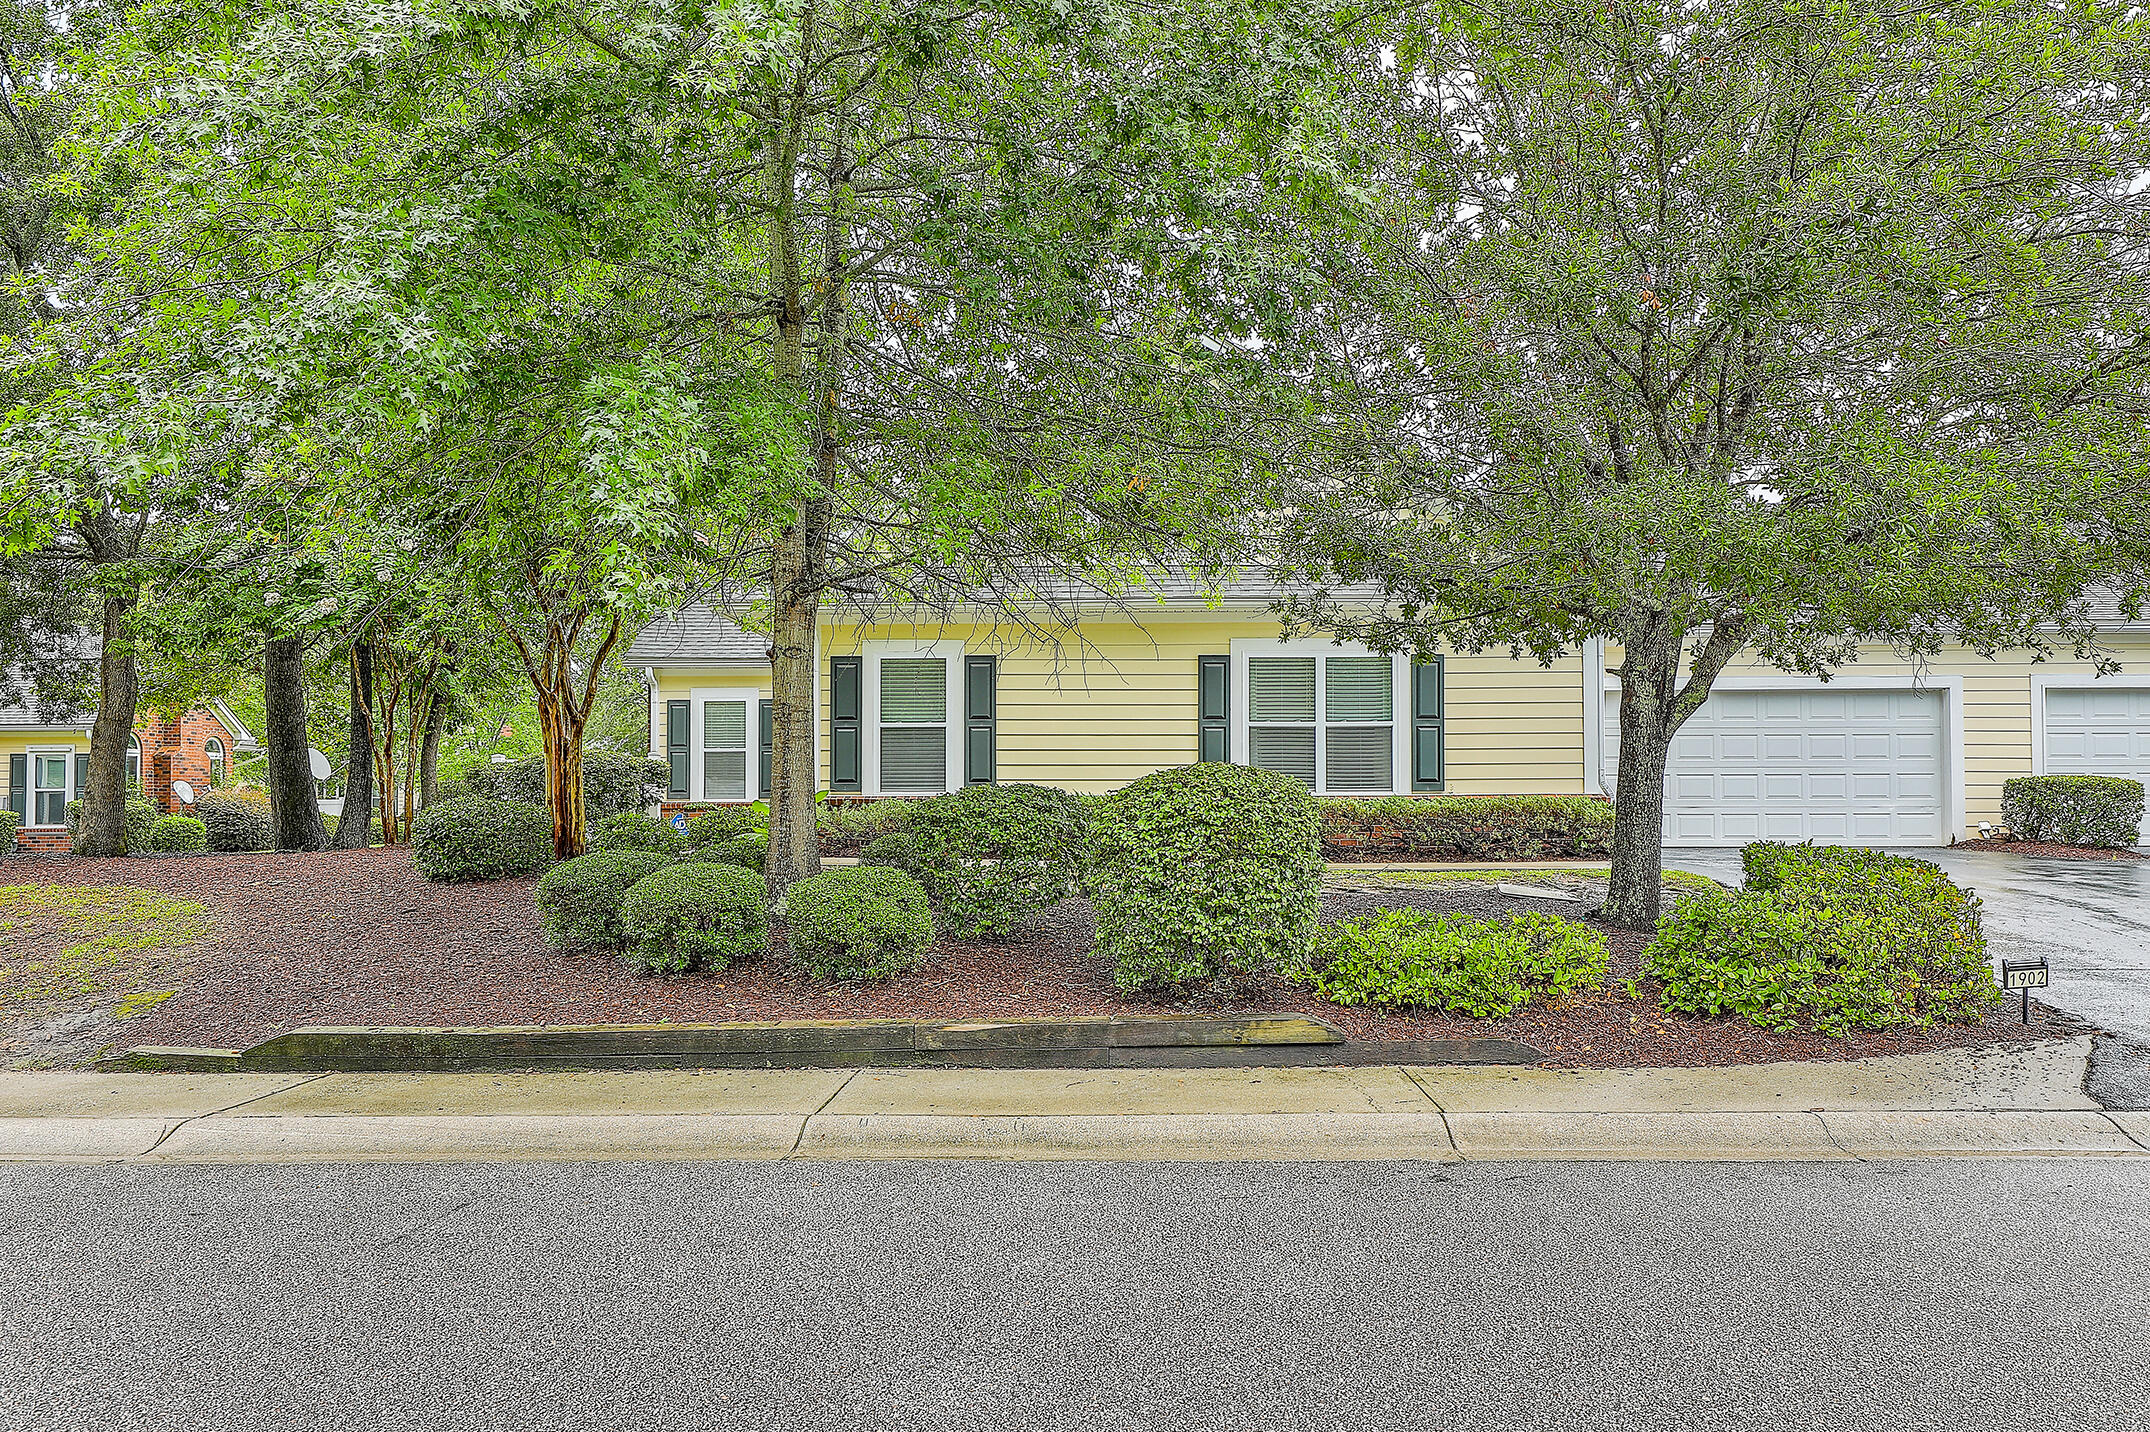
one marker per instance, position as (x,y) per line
(1794,764)
(2094,731)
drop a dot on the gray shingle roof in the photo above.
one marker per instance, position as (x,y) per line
(692,635)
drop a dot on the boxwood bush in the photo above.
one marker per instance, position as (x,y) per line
(632,830)
(715,825)
(992,857)
(236,820)
(859,923)
(177,835)
(10,826)
(474,838)
(141,816)
(1465,827)
(749,850)
(578,901)
(847,827)
(694,917)
(1485,968)
(894,850)
(2102,812)
(1828,940)
(1204,876)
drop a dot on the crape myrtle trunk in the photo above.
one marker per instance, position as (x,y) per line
(101,824)
(354,828)
(429,754)
(294,809)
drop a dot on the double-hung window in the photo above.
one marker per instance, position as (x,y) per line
(48,788)
(213,752)
(724,748)
(1325,716)
(914,708)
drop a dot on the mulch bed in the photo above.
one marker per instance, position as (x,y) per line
(2043,847)
(358,938)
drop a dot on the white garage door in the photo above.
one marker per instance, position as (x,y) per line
(2099,731)
(1834,766)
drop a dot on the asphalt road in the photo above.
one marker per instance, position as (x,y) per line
(1953,1296)
(2089,919)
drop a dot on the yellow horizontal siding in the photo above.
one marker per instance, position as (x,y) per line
(21,743)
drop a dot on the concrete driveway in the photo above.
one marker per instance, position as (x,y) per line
(2090,919)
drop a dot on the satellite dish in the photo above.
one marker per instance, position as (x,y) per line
(318,764)
(183,791)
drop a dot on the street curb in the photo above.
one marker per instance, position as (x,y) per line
(1404,1136)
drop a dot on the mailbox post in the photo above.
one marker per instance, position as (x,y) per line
(2023,976)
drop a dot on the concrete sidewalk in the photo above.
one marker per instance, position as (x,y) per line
(2024,1102)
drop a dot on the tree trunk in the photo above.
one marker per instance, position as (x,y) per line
(794,841)
(354,828)
(101,825)
(563,778)
(429,756)
(294,808)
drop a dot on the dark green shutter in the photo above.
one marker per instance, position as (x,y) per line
(678,718)
(980,726)
(18,786)
(1428,738)
(845,713)
(1214,720)
(82,775)
(768,747)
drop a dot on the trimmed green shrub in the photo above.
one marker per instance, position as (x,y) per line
(236,821)
(473,838)
(992,857)
(1204,876)
(10,826)
(1484,968)
(694,917)
(893,851)
(1830,940)
(847,827)
(578,901)
(613,782)
(1465,827)
(141,817)
(715,825)
(860,923)
(632,830)
(177,835)
(749,850)
(2102,812)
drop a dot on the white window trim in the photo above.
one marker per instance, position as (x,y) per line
(69,793)
(210,758)
(695,697)
(1399,702)
(875,652)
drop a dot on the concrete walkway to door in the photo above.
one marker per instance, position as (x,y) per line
(2089,919)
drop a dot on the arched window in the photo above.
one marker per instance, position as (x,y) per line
(134,762)
(215,749)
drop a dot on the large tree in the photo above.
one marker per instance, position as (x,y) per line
(1745,330)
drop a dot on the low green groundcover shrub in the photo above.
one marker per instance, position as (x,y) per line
(236,820)
(177,835)
(713,825)
(10,826)
(1484,968)
(749,850)
(632,830)
(992,857)
(894,850)
(1204,876)
(848,827)
(474,838)
(1465,827)
(2103,812)
(694,917)
(578,901)
(1828,940)
(860,923)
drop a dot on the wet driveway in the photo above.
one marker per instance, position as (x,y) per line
(2090,919)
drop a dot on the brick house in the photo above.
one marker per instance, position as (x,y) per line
(48,762)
